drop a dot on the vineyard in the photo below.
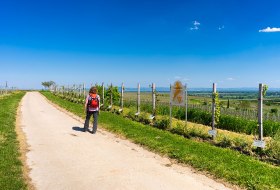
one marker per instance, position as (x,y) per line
(5,90)
(237,129)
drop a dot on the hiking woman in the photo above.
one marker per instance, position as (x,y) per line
(92,107)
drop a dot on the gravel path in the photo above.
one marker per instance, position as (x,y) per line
(60,156)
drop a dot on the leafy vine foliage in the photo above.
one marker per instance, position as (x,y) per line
(218,108)
(265,88)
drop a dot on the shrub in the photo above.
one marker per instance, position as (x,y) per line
(274,110)
(131,115)
(275,145)
(241,144)
(225,142)
(162,123)
(144,118)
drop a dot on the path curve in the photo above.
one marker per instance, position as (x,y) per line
(63,157)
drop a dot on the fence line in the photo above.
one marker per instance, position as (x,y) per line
(79,91)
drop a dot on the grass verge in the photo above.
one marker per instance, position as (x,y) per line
(11,176)
(223,163)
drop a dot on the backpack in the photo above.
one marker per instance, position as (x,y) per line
(93,101)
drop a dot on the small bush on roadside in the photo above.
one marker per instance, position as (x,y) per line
(131,115)
(162,123)
(275,145)
(144,118)
(241,144)
(225,142)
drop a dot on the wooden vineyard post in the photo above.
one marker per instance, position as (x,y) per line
(74,90)
(111,96)
(138,100)
(153,100)
(103,94)
(62,89)
(80,91)
(6,88)
(213,132)
(260,112)
(122,93)
(84,89)
(260,142)
(186,95)
(170,107)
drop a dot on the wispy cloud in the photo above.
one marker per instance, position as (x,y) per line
(196,23)
(230,79)
(268,29)
(195,26)
(177,77)
(221,27)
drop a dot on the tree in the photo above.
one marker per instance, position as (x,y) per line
(48,84)
(227,103)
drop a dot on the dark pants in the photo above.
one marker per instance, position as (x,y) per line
(95,119)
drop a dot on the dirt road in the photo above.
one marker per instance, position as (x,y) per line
(63,157)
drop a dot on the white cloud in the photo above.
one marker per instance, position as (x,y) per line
(268,29)
(194,28)
(195,25)
(177,77)
(221,27)
(230,79)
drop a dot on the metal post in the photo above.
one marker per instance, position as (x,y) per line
(103,93)
(122,93)
(111,95)
(154,98)
(170,107)
(74,90)
(84,89)
(62,89)
(213,106)
(6,87)
(138,99)
(186,94)
(260,111)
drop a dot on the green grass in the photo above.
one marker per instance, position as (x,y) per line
(223,163)
(11,176)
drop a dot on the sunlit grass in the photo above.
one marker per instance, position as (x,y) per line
(223,163)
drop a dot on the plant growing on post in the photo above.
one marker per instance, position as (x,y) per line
(265,88)
(115,94)
(218,107)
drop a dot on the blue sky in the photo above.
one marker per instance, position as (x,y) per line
(235,43)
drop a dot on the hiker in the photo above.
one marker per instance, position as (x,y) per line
(92,107)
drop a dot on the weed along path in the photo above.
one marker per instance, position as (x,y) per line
(60,156)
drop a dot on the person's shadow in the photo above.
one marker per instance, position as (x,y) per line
(76,128)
